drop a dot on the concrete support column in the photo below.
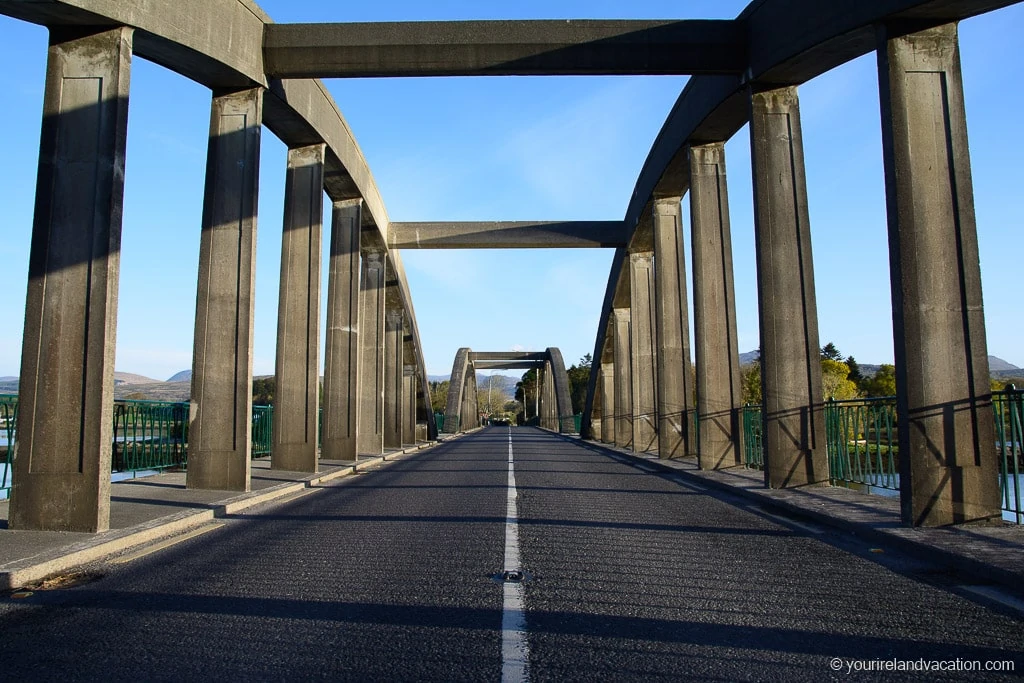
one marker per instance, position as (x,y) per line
(61,479)
(623,378)
(394,367)
(297,370)
(719,396)
(370,432)
(470,414)
(794,424)
(341,355)
(675,384)
(409,405)
(948,465)
(606,387)
(551,399)
(643,357)
(220,434)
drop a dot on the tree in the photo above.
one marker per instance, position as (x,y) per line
(883,383)
(263,391)
(855,375)
(830,352)
(579,378)
(750,383)
(439,396)
(835,380)
(526,389)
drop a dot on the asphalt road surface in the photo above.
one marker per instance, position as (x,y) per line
(397,574)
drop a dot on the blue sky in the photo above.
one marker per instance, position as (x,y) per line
(517,148)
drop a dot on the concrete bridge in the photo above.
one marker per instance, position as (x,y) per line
(746,71)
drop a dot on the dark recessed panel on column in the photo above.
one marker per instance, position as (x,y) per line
(644,357)
(393,380)
(61,478)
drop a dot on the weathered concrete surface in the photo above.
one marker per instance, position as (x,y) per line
(409,404)
(495,48)
(794,423)
(370,423)
(220,434)
(455,404)
(341,355)
(644,359)
(297,370)
(394,366)
(606,387)
(672,327)
(719,397)
(62,465)
(559,383)
(948,467)
(508,235)
(623,378)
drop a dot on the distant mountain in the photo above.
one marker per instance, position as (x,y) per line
(8,378)
(438,378)
(999,365)
(749,357)
(183,376)
(129,378)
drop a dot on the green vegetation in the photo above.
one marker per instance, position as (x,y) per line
(579,378)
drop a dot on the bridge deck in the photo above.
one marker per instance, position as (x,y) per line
(634,573)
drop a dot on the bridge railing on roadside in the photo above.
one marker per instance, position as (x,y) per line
(147,436)
(863,448)
(569,424)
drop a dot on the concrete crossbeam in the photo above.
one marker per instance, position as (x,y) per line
(341,355)
(948,466)
(719,398)
(370,423)
(672,326)
(297,371)
(508,235)
(61,479)
(507,365)
(496,48)
(793,414)
(508,355)
(220,434)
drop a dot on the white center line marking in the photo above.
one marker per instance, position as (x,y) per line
(515,652)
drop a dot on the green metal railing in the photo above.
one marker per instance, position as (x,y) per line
(863,446)
(1009,414)
(753,448)
(862,442)
(569,424)
(8,417)
(262,430)
(149,435)
(451,424)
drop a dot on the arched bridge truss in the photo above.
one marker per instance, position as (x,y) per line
(745,71)
(555,405)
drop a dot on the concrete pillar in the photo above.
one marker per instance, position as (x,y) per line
(394,366)
(341,355)
(606,387)
(549,400)
(220,434)
(409,404)
(370,432)
(297,371)
(470,413)
(675,390)
(794,424)
(643,356)
(719,395)
(623,378)
(61,479)
(948,465)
